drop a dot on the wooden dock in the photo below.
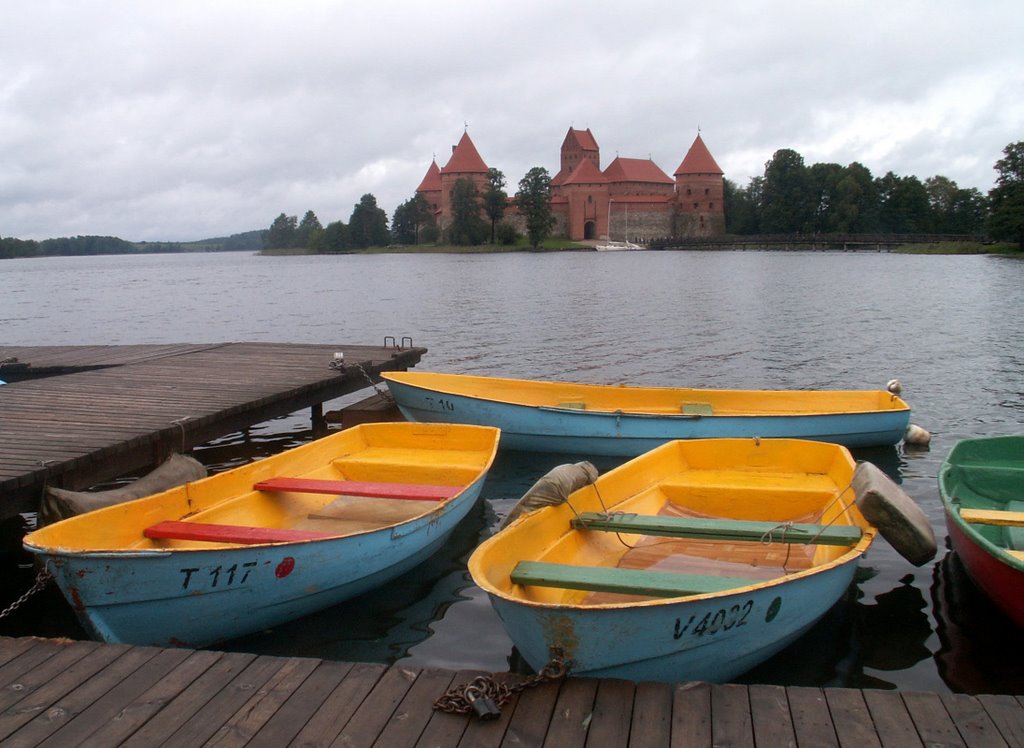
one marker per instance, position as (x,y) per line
(74,416)
(60,693)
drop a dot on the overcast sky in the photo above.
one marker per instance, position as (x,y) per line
(186,120)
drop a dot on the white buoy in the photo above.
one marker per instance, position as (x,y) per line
(894,386)
(916,436)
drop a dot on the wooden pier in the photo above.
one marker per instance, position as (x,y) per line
(61,693)
(74,416)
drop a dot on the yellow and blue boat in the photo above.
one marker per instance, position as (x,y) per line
(696,561)
(270,541)
(572,418)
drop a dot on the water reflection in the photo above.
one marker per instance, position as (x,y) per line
(980,648)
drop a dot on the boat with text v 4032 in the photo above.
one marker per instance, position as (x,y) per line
(696,561)
(270,541)
(982,486)
(592,419)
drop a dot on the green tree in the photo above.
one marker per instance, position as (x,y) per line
(856,206)
(741,206)
(467,226)
(282,232)
(534,201)
(368,226)
(309,233)
(824,195)
(787,201)
(954,210)
(410,218)
(336,238)
(495,199)
(903,205)
(1006,199)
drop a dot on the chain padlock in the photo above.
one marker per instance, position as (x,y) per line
(483,706)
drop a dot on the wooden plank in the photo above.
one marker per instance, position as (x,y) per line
(376,709)
(301,705)
(18,686)
(651,725)
(11,648)
(972,721)
(1007,714)
(184,707)
(812,723)
(220,706)
(30,655)
(412,491)
(339,706)
(261,706)
(413,713)
(891,719)
(49,693)
(771,717)
(992,517)
(731,722)
(720,528)
(444,729)
(572,714)
(146,704)
(613,708)
(851,718)
(934,725)
(691,716)
(212,533)
(623,581)
(77,727)
(533,710)
(65,710)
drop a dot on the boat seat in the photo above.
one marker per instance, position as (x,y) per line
(622,581)
(413,491)
(993,517)
(714,528)
(240,534)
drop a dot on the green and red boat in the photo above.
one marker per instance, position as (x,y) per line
(982,488)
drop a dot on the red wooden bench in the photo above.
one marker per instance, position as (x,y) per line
(176,530)
(413,491)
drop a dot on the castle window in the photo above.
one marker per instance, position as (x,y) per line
(707,190)
(688,191)
(711,206)
(696,205)
(590,198)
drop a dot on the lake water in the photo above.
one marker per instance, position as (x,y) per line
(949,328)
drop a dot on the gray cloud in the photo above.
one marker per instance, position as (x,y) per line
(192,119)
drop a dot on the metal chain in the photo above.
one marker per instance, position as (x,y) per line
(456,700)
(42,579)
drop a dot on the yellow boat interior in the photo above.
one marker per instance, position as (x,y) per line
(716,514)
(363,478)
(653,400)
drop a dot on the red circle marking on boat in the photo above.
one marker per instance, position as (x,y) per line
(285,567)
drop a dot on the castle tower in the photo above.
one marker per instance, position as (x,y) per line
(700,193)
(465,163)
(430,187)
(578,146)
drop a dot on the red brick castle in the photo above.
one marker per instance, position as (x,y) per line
(632,199)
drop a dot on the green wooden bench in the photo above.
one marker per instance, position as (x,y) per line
(719,529)
(622,581)
(413,491)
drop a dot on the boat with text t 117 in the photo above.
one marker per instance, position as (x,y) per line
(270,541)
(591,419)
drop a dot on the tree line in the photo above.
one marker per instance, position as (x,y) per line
(73,246)
(476,218)
(827,198)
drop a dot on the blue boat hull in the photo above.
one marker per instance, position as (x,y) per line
(193,598)
(567,431)
(713,640)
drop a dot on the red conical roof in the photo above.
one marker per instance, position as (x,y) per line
(635,170)
(465,158)
(432,181)
(698,160)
